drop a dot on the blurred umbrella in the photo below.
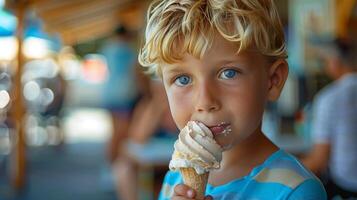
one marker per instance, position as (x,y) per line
(33,28)
(8,23)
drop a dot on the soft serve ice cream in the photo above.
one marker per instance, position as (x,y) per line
(196,148)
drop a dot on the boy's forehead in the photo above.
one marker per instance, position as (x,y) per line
(219,49)
(222,49)
(215,57)
(220,52)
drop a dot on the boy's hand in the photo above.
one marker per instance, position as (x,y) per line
(183,192)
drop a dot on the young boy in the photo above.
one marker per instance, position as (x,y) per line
(221,62)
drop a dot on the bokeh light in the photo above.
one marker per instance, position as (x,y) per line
(4,99)
(31,90)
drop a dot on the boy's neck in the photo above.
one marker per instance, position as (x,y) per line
(240,160)
(251,152)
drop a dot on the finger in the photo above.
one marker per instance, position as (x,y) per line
(209,197)
(184,190)
(180,198)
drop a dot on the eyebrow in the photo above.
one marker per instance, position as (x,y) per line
(178,68)
(173,69)
(225,61)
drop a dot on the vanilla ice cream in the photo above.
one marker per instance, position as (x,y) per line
(196,148)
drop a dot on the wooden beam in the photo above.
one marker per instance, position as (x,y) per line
(95,25)
(132,14)
(77,9)
(79,21)
(53,4)
(95,29)
(19,152)
(99,25)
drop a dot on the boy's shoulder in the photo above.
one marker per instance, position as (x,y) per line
(281,167)
(286,171)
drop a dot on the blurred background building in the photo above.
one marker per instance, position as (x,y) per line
(56,127)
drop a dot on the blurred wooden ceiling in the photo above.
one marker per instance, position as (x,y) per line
(81,20)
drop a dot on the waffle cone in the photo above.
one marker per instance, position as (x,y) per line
(196,181)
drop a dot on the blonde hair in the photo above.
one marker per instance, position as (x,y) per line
(178,26)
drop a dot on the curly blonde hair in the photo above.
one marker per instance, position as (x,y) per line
(175,27)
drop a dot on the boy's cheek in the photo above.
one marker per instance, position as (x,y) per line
(178,119)
(178,111)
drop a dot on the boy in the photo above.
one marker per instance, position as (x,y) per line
(221,62)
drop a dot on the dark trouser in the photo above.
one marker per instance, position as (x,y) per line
(335,190)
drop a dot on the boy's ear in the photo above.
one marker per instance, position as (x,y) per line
(278,73)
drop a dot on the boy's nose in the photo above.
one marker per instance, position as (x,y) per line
(207,99)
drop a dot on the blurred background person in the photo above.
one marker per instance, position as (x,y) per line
(334,127)
(120,91)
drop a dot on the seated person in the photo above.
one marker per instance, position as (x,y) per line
(334,127)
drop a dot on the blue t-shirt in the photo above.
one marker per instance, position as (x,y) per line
(281,176)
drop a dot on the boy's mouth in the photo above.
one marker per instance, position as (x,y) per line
(220,129)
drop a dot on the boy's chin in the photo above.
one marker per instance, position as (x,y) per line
(227,143)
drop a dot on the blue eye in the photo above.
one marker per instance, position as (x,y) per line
(228,74)
(182,80)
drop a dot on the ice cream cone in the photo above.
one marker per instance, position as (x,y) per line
(196,154)
(196,181)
